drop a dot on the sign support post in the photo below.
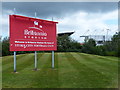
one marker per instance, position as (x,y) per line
(35,52)
(52,55)
(52,59)
(14,51)
(35,60)
(14,61)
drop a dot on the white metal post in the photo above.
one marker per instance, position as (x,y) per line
(52,59)
(35,51)
(14,51)
(52,56)
(35,60)
(35,14)
(14,61)
(14,10)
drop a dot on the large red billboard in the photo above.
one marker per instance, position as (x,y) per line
(32,34)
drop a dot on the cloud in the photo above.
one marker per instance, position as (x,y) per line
(80,22)
(45,9)
(78,17)
(5,22)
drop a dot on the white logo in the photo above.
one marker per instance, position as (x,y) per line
(40,26)
(32,30)
(35,22)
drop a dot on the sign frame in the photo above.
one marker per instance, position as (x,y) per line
(47,36)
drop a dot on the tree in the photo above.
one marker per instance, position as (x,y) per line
(6,50)
(116,43)
(112,48)
(5,47)
(65,43)
(89,46)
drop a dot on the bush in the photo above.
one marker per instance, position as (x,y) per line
(112,53)
(66,44)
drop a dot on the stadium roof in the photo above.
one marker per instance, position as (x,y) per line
(66,33)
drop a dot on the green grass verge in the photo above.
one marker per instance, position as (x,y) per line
(72,70)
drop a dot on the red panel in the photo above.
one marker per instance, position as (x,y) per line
(31,34)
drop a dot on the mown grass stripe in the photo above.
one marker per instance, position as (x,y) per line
(29,77)
(101,68)
(20,63)
(102,62)
(40,76)
(9,59)
(70,72)
(66,71)
(57,71)
(95,61)
(92,64)
(29,62)
(40,62)
(87,74)
(102,57)
(99,60)
(46,75)
(23,63)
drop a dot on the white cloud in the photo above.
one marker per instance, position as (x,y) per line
(5,22)
(5,16)
(80,22)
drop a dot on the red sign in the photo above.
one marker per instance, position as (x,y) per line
(31,34)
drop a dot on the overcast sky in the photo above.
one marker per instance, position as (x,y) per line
(85,18)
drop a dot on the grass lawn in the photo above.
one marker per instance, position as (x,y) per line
(72,70)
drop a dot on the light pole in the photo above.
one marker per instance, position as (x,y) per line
(107,34)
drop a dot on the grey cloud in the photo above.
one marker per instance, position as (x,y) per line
(58,9)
